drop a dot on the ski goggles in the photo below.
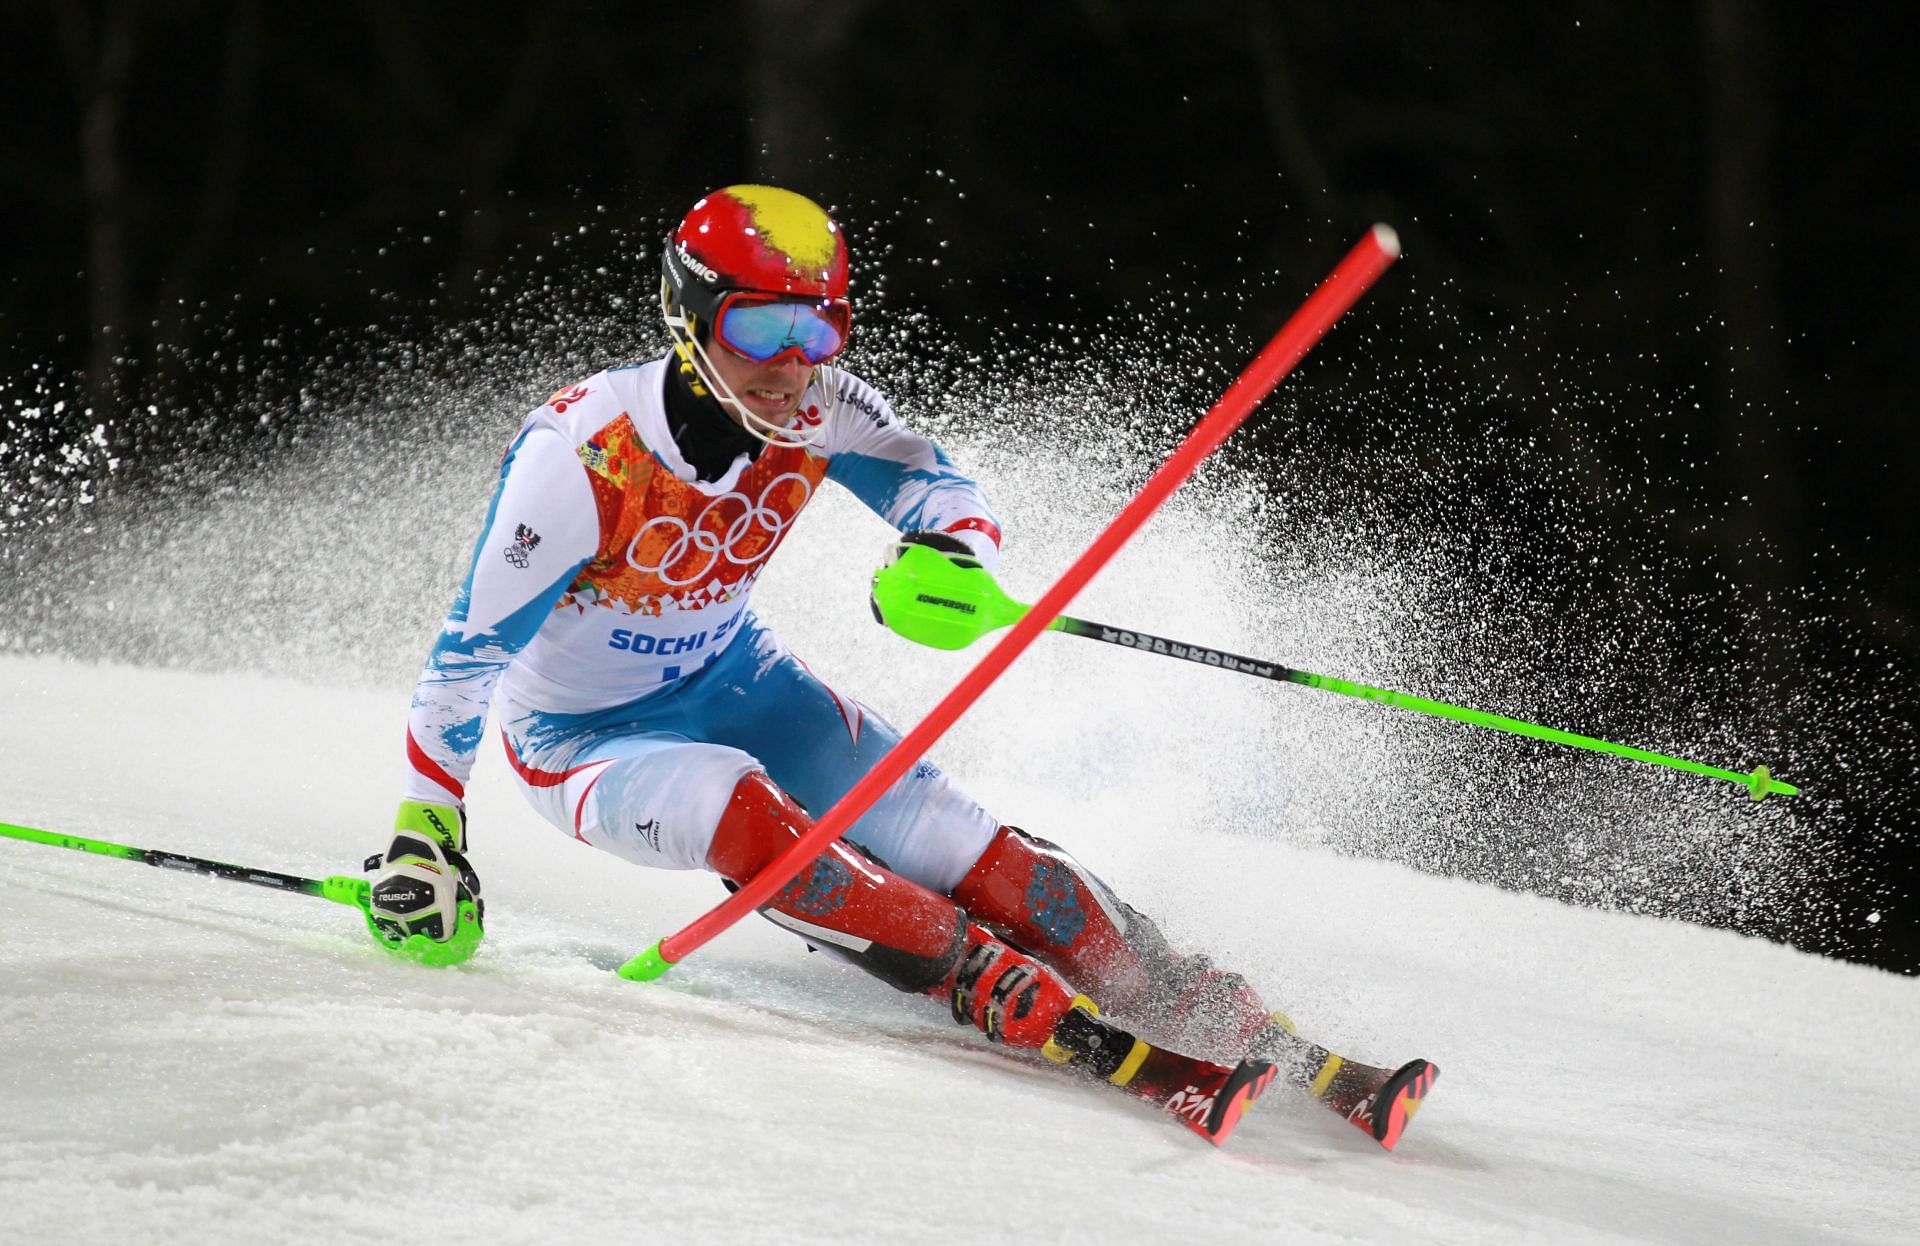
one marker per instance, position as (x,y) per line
(762,327)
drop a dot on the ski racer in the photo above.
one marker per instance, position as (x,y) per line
(646,710)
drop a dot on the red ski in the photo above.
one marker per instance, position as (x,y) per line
(1378,1101)
(1210,1098)
(1207,1098)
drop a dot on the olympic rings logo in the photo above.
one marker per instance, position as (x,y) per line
(757,520)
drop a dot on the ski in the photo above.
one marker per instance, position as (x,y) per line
(1379,1102)
(1211,1098)
(1207,1098)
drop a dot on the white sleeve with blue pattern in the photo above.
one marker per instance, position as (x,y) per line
(542,527)
(903,477)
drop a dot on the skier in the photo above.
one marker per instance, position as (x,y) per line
(647,711)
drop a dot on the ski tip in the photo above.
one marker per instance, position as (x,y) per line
(1396,1102)
(1247,1082)
(1385,237)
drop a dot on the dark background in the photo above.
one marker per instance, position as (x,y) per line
(1704,206)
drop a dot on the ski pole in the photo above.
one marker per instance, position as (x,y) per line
(928,598)
(1341,289)
(339,888)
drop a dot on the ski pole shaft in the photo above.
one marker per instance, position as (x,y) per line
(339,888)
(934,601)
(1342,288)
(1760,784)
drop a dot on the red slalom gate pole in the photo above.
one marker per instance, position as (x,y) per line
(1341,290)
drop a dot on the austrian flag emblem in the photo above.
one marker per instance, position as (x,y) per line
(520,553)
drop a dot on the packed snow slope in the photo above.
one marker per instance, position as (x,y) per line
(189,1060)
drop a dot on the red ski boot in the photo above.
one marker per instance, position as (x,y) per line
(1007,995)
(1047,903)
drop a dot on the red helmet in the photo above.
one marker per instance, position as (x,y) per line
(758,238)
(752,240)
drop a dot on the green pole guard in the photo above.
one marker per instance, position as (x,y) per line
(934,601)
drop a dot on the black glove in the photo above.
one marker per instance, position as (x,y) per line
(952,546)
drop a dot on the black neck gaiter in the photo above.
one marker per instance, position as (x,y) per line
(708,440)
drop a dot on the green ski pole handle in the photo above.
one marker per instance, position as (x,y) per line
(929,599)
(339,888)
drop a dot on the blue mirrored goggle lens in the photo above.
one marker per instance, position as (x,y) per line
(761,331)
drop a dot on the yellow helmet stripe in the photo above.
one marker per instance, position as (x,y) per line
(792,223)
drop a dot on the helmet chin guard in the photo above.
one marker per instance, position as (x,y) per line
(762,240)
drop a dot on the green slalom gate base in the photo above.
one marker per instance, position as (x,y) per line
(647,966)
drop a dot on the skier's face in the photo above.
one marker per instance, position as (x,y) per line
(769,390)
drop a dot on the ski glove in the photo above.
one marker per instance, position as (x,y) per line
(934,591)
(424,903)
(957,551)
(953,547)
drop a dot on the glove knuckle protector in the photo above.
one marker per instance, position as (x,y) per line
(424,901)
